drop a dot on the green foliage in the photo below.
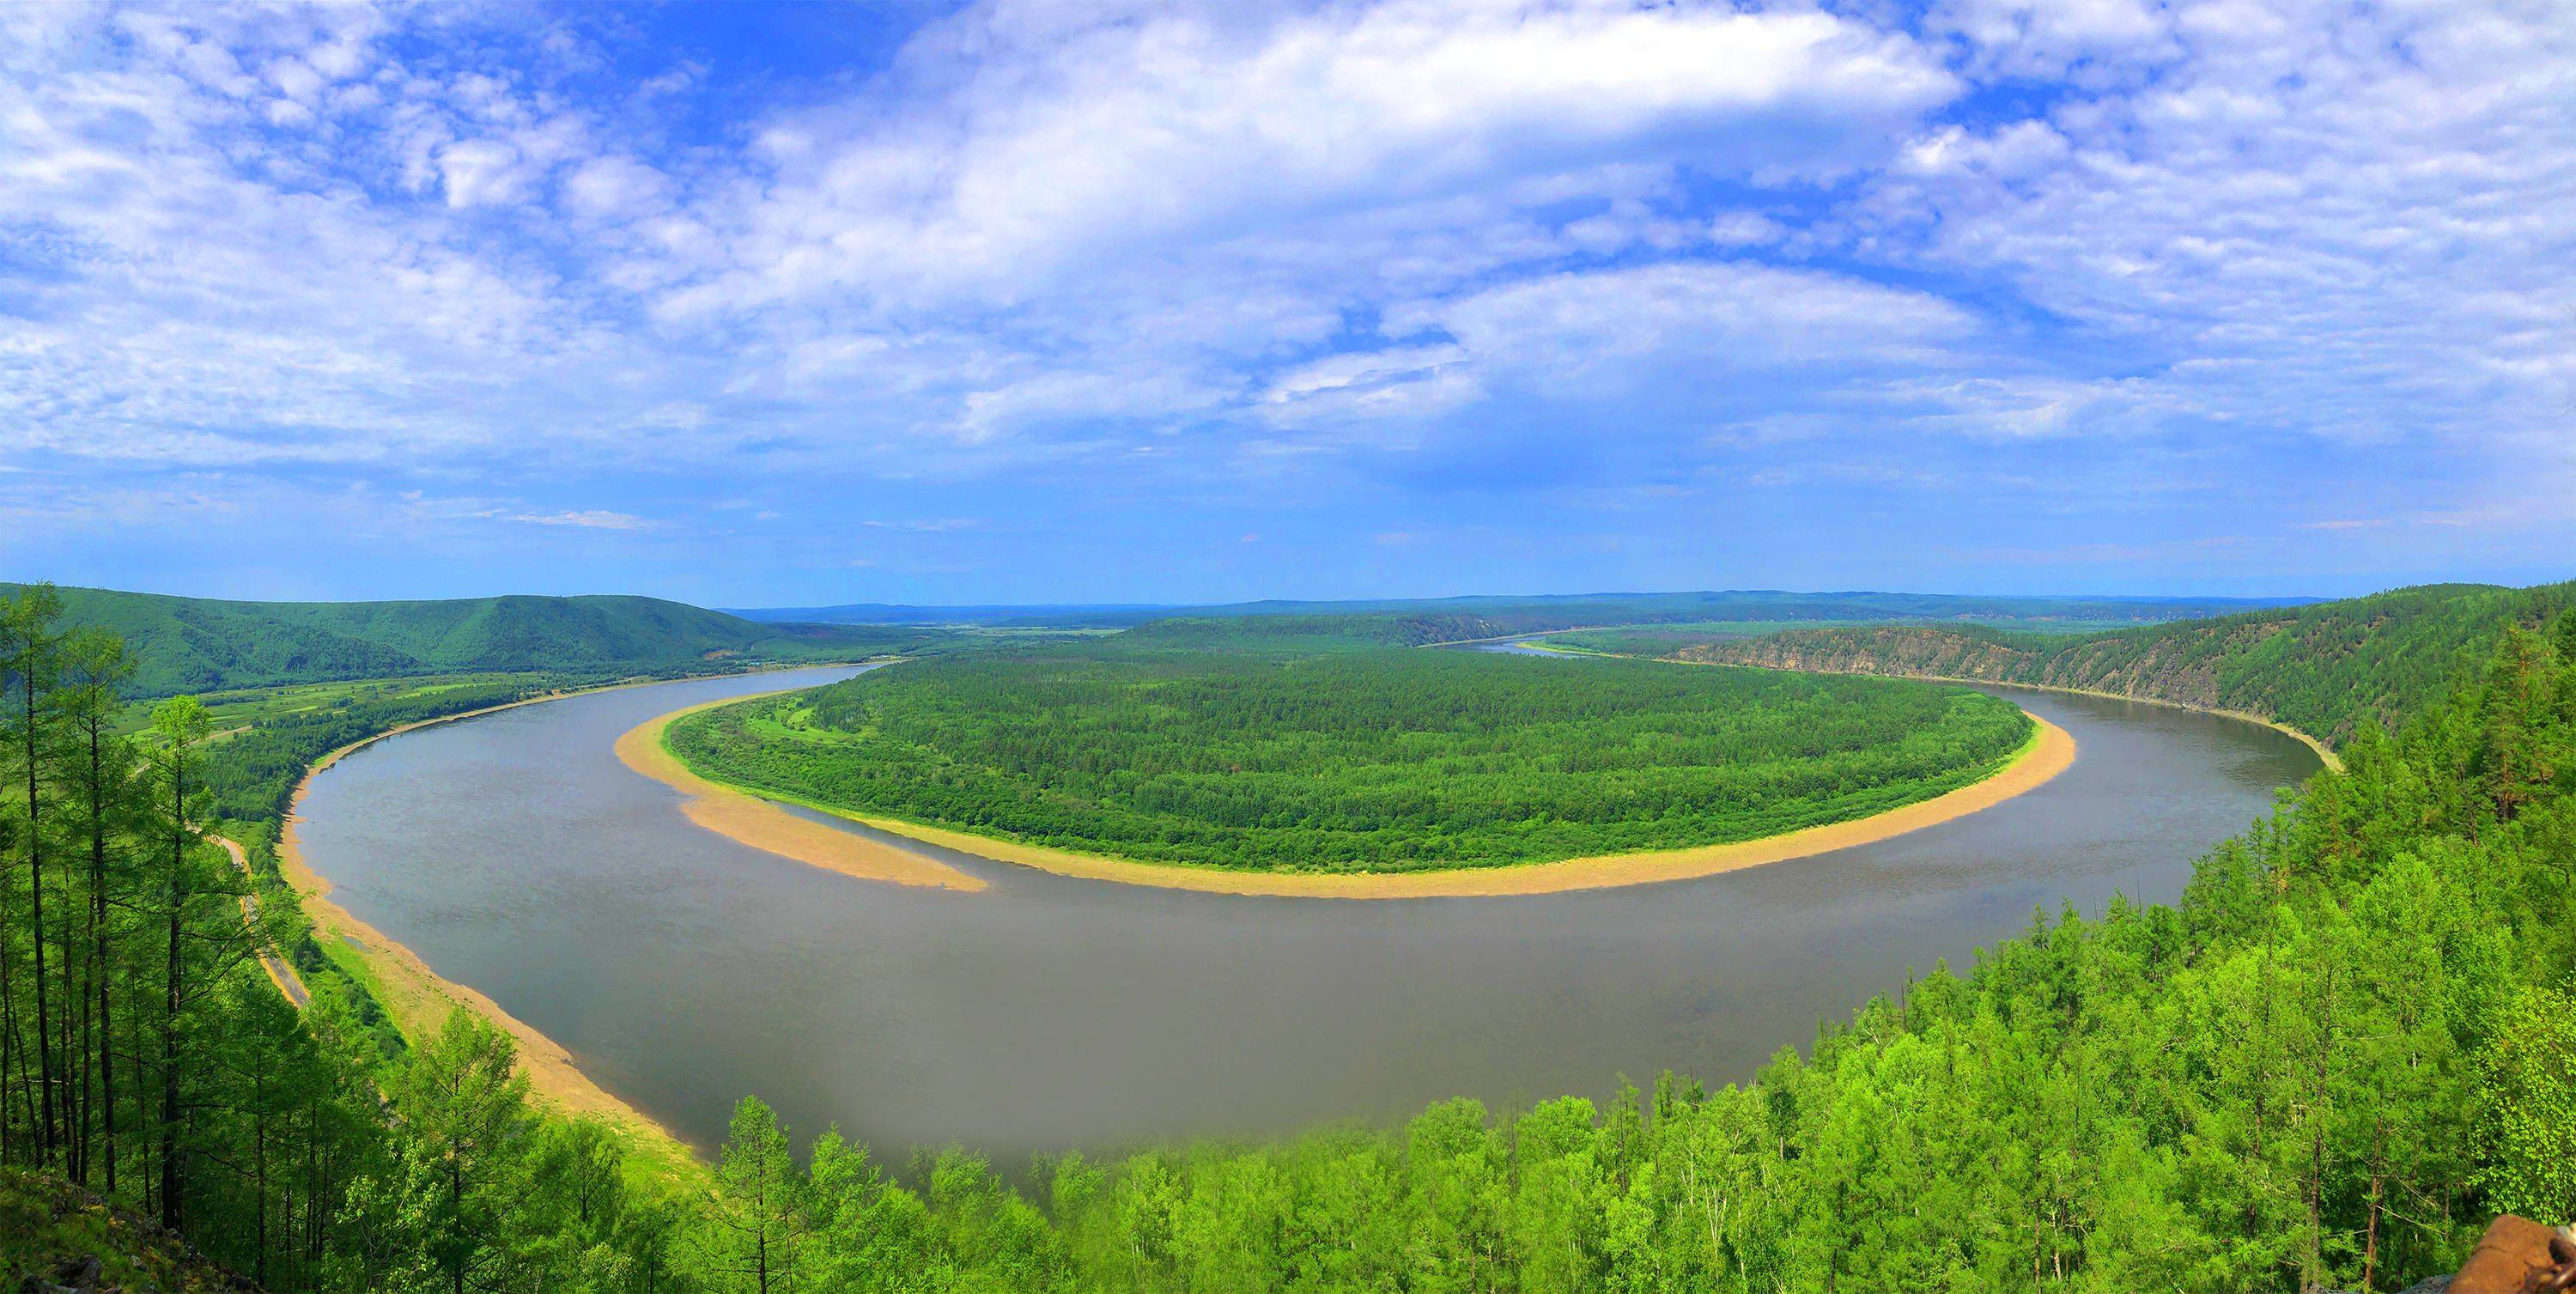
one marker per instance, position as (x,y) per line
(2325,1068)
(200,644)
(2327,669)
(2527,1106)
(1529,614)
(1352,759)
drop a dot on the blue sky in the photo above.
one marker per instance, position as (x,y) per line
(1108,301)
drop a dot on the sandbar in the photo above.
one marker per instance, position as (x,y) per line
(763,825)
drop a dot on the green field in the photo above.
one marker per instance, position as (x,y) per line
(1355,759)
(240,709)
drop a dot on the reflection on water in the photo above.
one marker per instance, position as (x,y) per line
(517,855)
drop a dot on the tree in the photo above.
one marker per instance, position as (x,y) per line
(95,670)
(465,1138)
(758,1207)
(27,648)
(179,726)
(2527,1106)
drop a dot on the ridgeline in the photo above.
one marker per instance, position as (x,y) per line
(206,645)
(2325,669)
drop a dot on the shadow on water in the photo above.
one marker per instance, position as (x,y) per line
(517,855)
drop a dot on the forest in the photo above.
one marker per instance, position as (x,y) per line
(1531,613)
(2326,1067)
(1270,753)
(2323,668)
(203,644)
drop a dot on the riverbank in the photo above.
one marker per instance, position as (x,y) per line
(2049,752)
(763,825)
(419,1000)
(2324,753)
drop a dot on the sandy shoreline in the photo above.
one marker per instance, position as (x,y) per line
(2050,751)
(2324,753)
(419,999)
(763,825)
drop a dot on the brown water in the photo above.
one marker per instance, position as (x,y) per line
(516,854)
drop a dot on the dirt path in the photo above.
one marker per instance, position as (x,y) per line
(280,972)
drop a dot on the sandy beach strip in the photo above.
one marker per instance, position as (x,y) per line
(2049,752)
(763,825)
(419,1000)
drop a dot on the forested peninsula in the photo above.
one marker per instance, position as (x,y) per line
(1318,756)
(2324,1068)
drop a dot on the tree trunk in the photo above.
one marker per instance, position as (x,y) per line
(36,924)
(170,1174)
(170,1079)
(103,961)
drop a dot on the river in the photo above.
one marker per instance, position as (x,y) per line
(515,853)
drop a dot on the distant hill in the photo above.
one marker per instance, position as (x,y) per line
(2323,668)
(1084,614)
(1561,610)
(202,644)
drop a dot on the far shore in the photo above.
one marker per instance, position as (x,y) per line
(2049,752)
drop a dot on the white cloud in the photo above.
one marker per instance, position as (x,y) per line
(1729,314)
(351,239)
(585,519)
(1057,147)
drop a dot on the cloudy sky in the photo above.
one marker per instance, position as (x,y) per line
(1109,301)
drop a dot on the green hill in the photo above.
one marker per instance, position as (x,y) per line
(2324,668)
(202,644)
(1525,613)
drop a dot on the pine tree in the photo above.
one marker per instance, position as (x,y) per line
(758,1207)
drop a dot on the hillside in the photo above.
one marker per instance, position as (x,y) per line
(203,644)
(2324,668)
(54,1235)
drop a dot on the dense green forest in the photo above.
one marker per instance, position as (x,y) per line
(2325,1068)
(2324,669)
(203,645)
(1359,758)
(1528,614)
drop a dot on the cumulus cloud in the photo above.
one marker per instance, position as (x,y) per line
(1142,247)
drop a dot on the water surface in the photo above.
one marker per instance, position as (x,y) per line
(516,854)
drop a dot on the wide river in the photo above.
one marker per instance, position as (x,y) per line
(516,854)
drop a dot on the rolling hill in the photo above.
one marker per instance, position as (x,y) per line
(202,644)
(2324,668)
